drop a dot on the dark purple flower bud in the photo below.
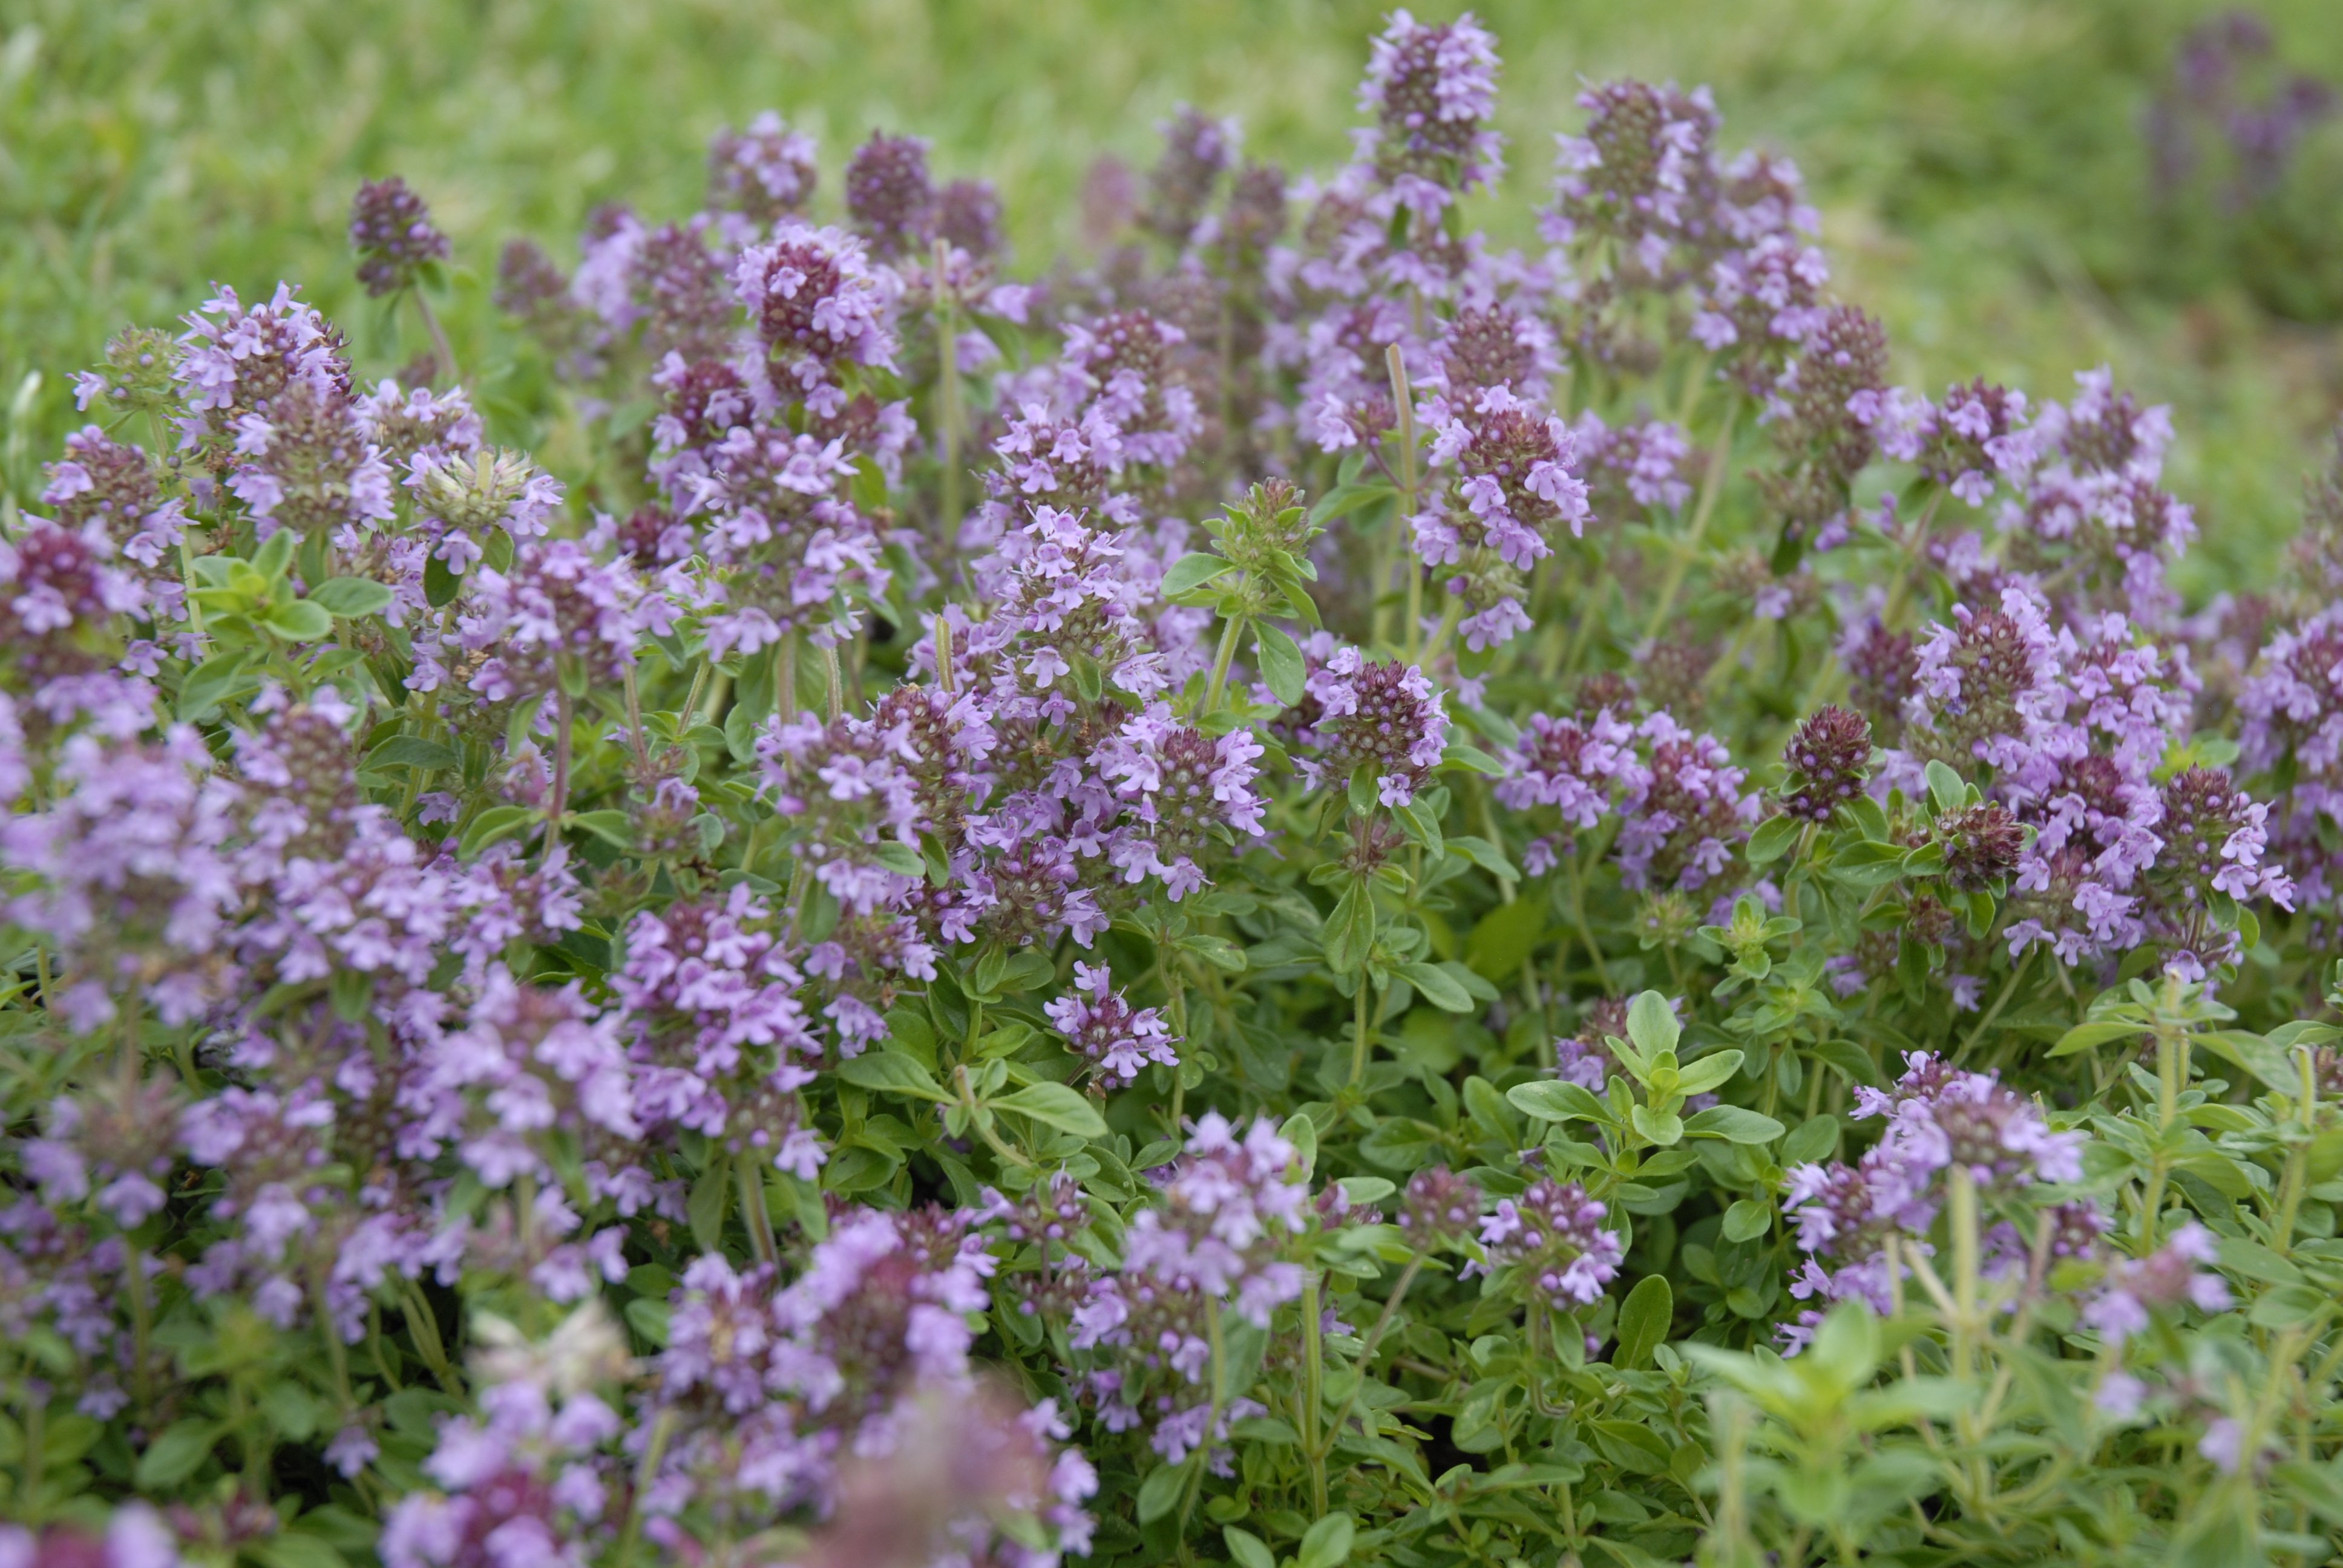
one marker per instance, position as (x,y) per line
(1197,150)
(2214,839)
(968,215)
(890,196)
(1255,218)
(1828,759)
(1981,843)
(1441,1208)
(390,228)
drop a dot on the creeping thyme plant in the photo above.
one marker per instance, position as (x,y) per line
(1317,892)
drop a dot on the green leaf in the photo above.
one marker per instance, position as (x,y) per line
(891,1072)
(209,683)
(299,620)
(275,555)
(1439,988)
(412,752)
(1247,1550)
(349,598)
(1351,931)
(1867,865)
(1024,971)
(1505,937)
(1192,571)
(1644,1318)
(1810,1140)
(1664,1128)
(1733,1124)
(495,825)
(1747,1219)
(2084,1036)
(647,1316)
(1709,1071)
(440,584)
(711,1197)
(292,1549)
(1551,1099)
(1652,1024)
(1327,1544)
(1486,856)
(1945,788)
(613,828)
(1055,1105)
(901,858)
(1160,1492)
(1344,499)
(175,1454)
(1472,759)
(1773,840)
(1281,662)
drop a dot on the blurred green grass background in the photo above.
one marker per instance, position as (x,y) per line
(1978,162)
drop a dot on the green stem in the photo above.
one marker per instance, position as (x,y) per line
(1447,628)
(1230,636)
(558,803)
(753,1206)
(1404,519)
(1212,1417)
(1374,1338)
(635,727)
(1314,1442)
(837,686)
(948,409)
(785,676)
(2008,989)
(1578,917)
(440,344)
(1689,546)
(1359,1035)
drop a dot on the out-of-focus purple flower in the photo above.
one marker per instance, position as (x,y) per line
(765,173)
(889,193)
(391,230)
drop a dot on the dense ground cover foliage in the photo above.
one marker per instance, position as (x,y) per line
(1329,891)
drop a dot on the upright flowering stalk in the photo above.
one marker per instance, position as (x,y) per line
(1216,1244)
(817,308)
(1187,791)
(1515,480)
(1936,1118)
(1380,720)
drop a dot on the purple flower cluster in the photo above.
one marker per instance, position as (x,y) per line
(1552,1236)
(1217,1240)
(1936,1118)
(1675,793)
(1105,1030)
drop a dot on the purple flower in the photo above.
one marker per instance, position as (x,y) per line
(816,306)
(765,173)
(889,196)
(1553,1235)
(1106,1030)
(391,230)
(1377,716)
(2167,1277)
